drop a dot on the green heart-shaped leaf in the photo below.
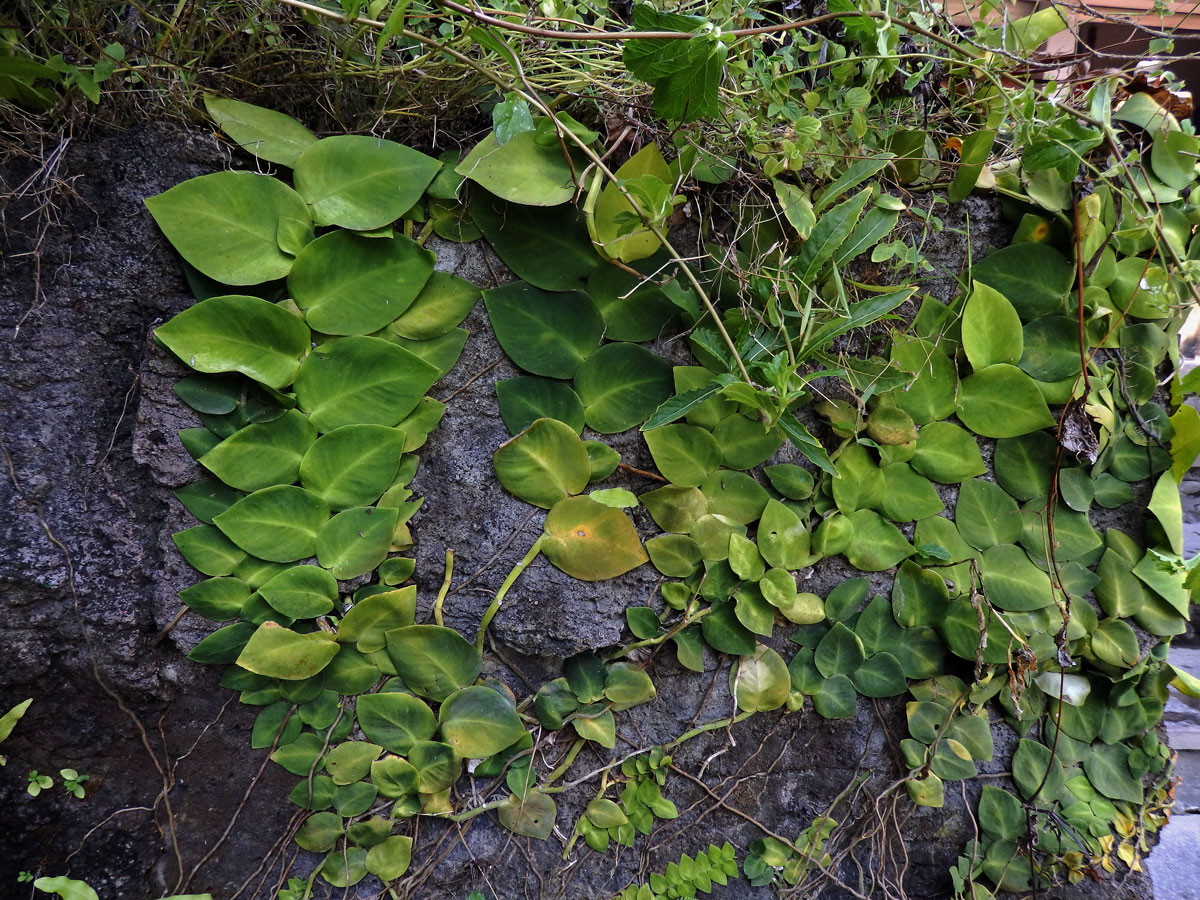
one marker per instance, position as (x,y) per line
(521,170)
(443,303)
(590,541)
(278,524)
(259,456)
(356,541)
(544,464)
(301,592)
(946,453)
(352,465)
(544,333)
(433,661)
(621,385)
(277,652)
(1001,401)
(227,224)
(361,381)
(479,721)
(527,398)
(395,721)
(348,284)
(238,334)
(361,182)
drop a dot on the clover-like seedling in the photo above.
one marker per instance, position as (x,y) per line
(73,782)
(38,782)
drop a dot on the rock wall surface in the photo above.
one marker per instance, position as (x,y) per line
(88,608)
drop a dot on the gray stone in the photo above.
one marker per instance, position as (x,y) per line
(1173,865)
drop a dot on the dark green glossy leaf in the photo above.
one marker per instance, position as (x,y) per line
(621,385)
(527,398)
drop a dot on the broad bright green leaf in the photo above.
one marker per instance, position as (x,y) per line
(1014,583)
(1034,277)
(391,858)
(259,456)
(544,333)
(433,661)
(350,761)
(361,182)
(761,681)
(355,541)
(443,303)
(860,482)
(367,622)
(479,721)
(361,381)
(9,720)
(543,464)
(527,398)
(348,284)
(208,550)
(746,443)
(238,334)
(278,652)
(930,397)
(675,555)
(521,170)
(684,454)
(735,495)
(1166,508)
(985,515)
(352,465)
(907,496)
(607,222)
(626,685)
(796,206)
(782,538)
(1001,401)
(301,592)
(590,541)
(227,224)
(621,385)
(278,523)
(991,328)
(1114,642)
(876,544)
(267,134)
(66,888)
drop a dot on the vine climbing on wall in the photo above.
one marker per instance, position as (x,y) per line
(979,447)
